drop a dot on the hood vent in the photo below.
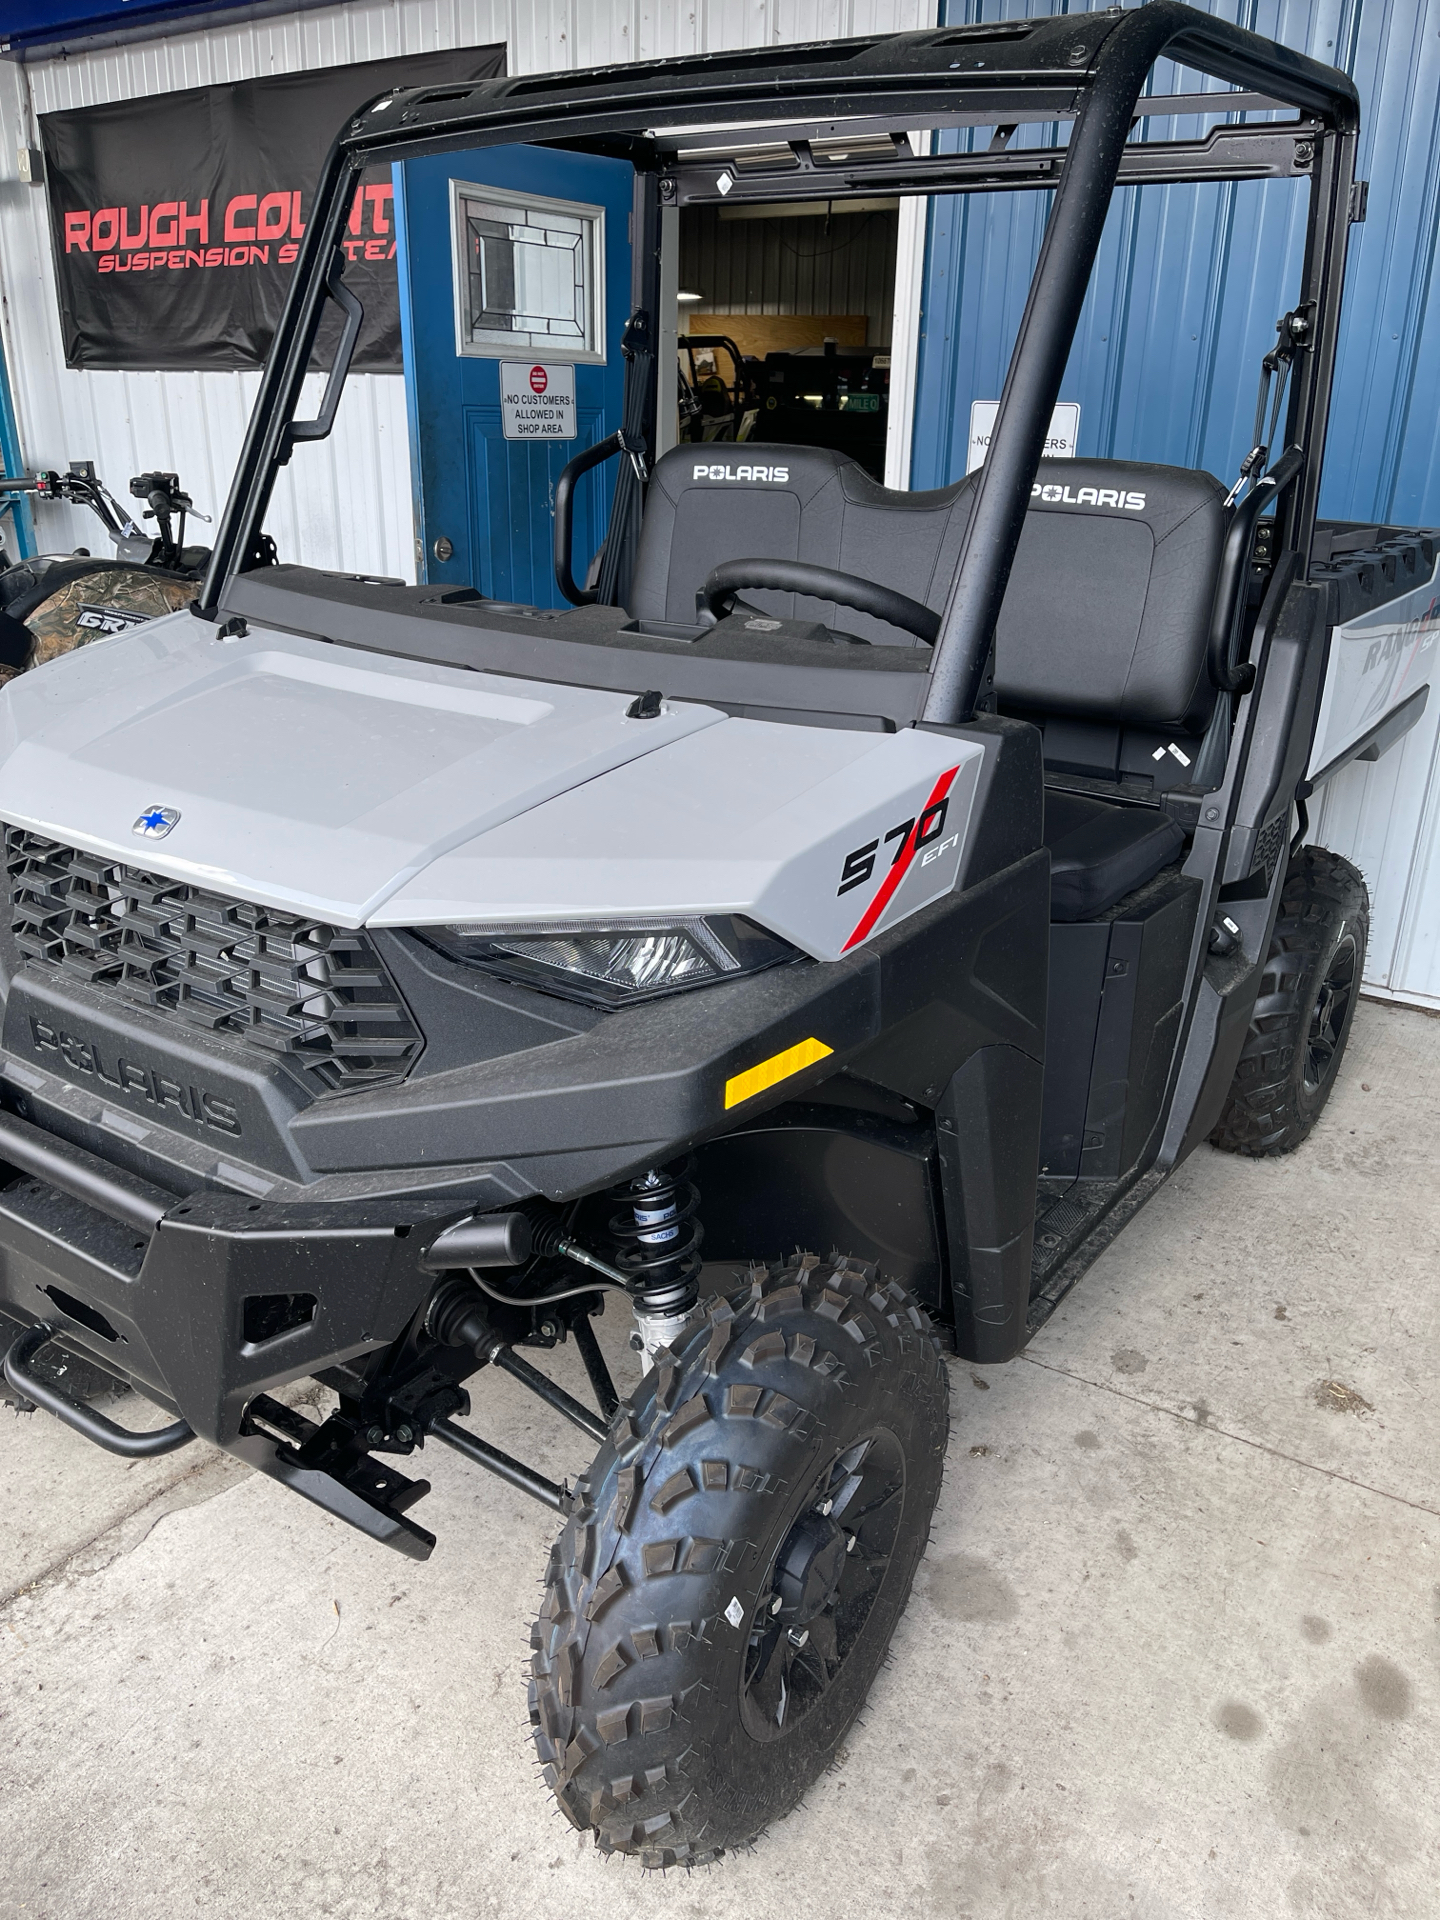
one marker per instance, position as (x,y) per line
(317,996)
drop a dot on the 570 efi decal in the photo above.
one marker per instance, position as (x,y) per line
(924,830)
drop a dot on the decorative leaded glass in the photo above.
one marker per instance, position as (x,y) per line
(527,275)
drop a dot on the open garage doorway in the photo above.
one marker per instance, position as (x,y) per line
(784,324)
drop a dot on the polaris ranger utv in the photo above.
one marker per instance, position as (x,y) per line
(394,973)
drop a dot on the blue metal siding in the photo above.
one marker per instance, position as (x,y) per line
(1191,280)
(1186,293)
(30,27)
(1384,451)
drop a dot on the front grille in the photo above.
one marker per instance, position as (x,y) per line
(317,995)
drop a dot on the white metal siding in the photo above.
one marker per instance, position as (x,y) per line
(358,517)
(1386,818)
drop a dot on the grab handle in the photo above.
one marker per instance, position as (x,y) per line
(348,301)
(575,470)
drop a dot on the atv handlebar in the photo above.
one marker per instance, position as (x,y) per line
(81,486)
(161,493)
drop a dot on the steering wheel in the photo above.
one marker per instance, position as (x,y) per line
(821,583)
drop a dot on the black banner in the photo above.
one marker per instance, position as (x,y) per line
(176,219)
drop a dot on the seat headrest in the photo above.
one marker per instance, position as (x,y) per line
(729,501)
(1107,615)
(727,465)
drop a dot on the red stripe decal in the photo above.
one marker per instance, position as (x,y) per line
(902,865)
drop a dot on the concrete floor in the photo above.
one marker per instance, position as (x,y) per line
(1175,1650)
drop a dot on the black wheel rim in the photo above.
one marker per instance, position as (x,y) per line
(794,1659)
(1331,1015)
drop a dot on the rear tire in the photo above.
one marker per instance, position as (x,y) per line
(677,1708)
(1302,1017)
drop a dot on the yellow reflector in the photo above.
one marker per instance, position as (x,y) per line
(771,1072)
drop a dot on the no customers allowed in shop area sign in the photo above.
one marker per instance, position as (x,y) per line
(1060,442)
(537,402)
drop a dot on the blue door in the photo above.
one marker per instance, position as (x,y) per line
(515,289)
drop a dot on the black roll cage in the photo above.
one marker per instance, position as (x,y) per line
(820,121)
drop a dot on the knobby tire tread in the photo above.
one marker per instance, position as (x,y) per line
(1268,1110)
(633,1657)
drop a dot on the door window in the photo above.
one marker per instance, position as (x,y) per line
(528,274)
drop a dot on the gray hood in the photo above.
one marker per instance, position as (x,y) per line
(308,777)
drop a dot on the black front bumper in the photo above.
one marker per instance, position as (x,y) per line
(187,1314)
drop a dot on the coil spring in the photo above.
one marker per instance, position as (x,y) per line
(655,1235)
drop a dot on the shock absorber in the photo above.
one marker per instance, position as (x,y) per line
(657,1247)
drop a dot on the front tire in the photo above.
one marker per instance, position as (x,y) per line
(736,1560)
(1288,1065)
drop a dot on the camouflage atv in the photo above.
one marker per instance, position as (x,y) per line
(53,603)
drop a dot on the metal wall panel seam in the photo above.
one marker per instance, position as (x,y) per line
(800,269)
(1386,326)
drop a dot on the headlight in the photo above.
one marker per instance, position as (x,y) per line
(618,964)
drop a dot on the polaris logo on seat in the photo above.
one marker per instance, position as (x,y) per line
(705,472)
(1088,497)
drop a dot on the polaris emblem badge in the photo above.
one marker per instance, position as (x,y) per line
(1088,497)
(704,471)
(155,822)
